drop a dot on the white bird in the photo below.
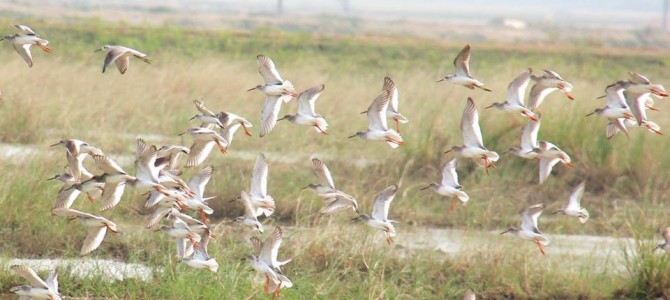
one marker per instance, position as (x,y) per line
(550,155)
(545,85)
(449,186)
(262,203)
(274,84)
(377,126)
(206,116)
(120,55)
(265,262)
(574,208)
(270,113)
(473,144)
(201,259)
(249,219)
(229,120)
(515,94)
(306,114)
(528,229)
(380,210)
(666,244)
(198,202)
(392,109)
(462,75)
(38,288)
(469,295)
(616,110)
(204,140)
(326,189)
(97,227)
(181,231)
(528,140)
(23,40)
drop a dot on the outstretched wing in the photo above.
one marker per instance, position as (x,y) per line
(449,176)
(307,99)
(321,171)
(472,133)
(380,208)
(267,69)
(462,62)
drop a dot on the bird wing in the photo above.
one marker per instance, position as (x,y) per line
(377,112)
(389,85)
(66,197)
(638,78)
(307,99)
(122,63)
(257,244)
(111,194)
(380,207)
(200,105)
(199,181)
(546,165)
(270,248)
(157,215)
(340,202)
(145,161)
(552,74)
(637,107)
(529,134)
(529,217)
(28,273)
(93,240)
(449,176)
(259,179)
(472,133)
(321,171)
(107,165)
(24,52)
(199,152)
(576,196)
(52,280)
(268,70)
(270,113)
(462,62)
(517,88)
(615,95)
(249,211)
(537,94)
(111,56)
(25,30)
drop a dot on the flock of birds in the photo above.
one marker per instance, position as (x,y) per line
(180,208)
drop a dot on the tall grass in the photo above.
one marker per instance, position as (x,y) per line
(65,96)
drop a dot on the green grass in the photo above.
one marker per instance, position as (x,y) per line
(65,96)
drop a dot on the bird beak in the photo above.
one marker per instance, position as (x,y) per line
(97,50)
(365,112)
(488,106)
(353,136)
(506,231)
(590,114)
(504,152)
(439,80)
(555,212)
(282,118)
(52,178)
(251,89)
(305,187)
(445,152)
(191,118)
(600,97)
(425,188)
(182,133)
(56,144)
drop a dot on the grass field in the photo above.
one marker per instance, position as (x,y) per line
(65,96)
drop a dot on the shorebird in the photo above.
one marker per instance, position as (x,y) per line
(574,208)
(515,94)
(326,189)
(181,232)
(462,75)
(528,229)
(473,145)
(97,227)
(38,288)
(265,262)
(121,56)
(550,155)
(637,91)
(22,41)
(171,154)
(229,120)
(616,110)
(392,110)
(261,202)
(449,185)
(666,245)
(249,219)
(270,113)
(146,173)
(380,210)
(206,116)
(306,114)
(201,259)
(204,140)
(198,202)
(274,84)
(528,140)
(545,85)
(377,126)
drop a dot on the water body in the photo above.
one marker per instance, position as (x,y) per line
(104,269)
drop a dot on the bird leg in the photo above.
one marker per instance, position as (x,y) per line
(194,243)
(562,88)
(397,126)
(246,130)
(44,47)
(539,245)
(222,148)
(89,197)
(452,208)
(203,216)
(266,286)
(277,290)
(320,130)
